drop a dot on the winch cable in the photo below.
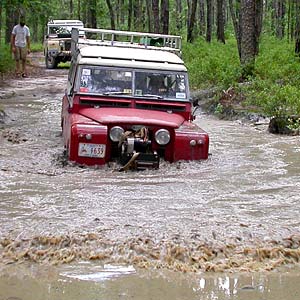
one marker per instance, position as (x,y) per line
(129,163)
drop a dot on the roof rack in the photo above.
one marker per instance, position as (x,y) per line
(115,38)
(65,22)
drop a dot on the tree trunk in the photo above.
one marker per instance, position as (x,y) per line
(92,14)
(78,9)
(248,36)
(201,15)
(165,16)
(235,17)
(129,21)
(258,21)
(209,20)
(149,17)
(117,11)
(34,31)
(137,15)
(178,15)
(71,8)
(155,11)
(297,29)
(112,15)
(220,21)
(279,10)
(12,17)
(0,23)
(122,12)
(293,9)
(191,23)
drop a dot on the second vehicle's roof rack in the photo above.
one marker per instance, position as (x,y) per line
(116,38)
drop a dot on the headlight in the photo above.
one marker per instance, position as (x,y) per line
(162,137)
(61,43)
(116,133)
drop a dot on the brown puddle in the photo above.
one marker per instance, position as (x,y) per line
(90,281)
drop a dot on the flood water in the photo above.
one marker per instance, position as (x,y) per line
(225,228)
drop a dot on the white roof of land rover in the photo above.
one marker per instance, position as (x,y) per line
(130,57)
(132,50)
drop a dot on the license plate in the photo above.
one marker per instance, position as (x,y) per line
(91,150)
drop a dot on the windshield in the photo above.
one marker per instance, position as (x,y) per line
(137,83)
(63,29)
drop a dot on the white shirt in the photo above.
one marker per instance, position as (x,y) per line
(20,33)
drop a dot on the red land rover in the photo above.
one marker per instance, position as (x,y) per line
(127,100)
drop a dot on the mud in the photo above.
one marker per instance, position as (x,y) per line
(223,227)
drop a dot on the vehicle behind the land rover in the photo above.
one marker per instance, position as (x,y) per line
(127,100)
(57,42)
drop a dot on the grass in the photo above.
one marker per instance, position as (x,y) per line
(274,88)
(6,60)
(212,64)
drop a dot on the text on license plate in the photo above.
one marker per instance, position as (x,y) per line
(91,150)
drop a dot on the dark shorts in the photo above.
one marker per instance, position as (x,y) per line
(21,53)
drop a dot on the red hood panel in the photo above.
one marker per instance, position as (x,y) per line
(109,115)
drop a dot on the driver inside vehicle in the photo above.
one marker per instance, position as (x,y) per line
(156,84)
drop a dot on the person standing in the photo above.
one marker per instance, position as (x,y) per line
(20,45)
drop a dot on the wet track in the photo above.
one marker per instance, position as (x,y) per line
(237,212)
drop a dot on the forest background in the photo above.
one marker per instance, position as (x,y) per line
(246,50)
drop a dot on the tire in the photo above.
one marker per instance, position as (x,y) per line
(51,62)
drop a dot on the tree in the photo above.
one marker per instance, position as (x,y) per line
(220,21)
(259,8)
(129,21)
(248,36)
(235,16)
(201,17)
(209,20)
(191,20)
(279,15)
(155,11)
(178,14)
(12,18)
(297,29)
(165,16)
(112,14)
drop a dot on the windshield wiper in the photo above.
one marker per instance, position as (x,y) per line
(117,93)
(151,96)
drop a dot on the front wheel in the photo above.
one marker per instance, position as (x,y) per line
(51,62)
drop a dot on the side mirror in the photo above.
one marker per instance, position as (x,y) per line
(70,92)
(193,112)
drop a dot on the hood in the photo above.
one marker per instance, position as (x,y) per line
(109,115)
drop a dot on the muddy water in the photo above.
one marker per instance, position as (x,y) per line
(222,228)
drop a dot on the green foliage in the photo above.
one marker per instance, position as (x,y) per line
(274,99)
(36,47)
(275,87)
(212,64)
(219,109)
(6,61)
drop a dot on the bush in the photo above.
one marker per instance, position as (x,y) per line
(6,61)
(212,64)
(274,87)
(275,100)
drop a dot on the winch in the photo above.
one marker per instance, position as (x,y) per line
(136,152)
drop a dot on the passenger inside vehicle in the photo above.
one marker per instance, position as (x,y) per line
(156,84)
